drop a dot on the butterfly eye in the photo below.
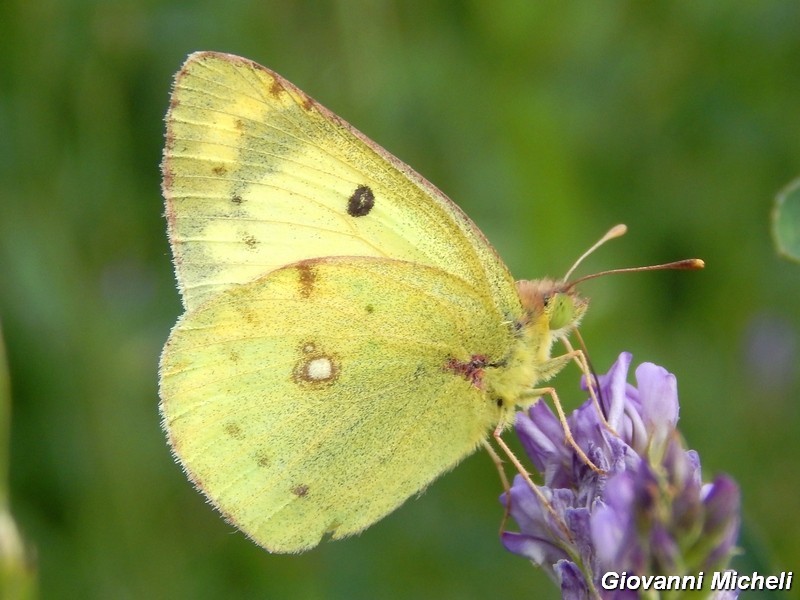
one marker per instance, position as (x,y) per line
(561,311)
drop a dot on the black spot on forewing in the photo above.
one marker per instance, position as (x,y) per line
(300,490)
(236,199)
(361,202)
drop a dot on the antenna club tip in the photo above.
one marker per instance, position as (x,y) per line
(687,264)
(618,230)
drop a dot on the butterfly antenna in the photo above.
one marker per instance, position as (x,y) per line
(614,232)
(687,264)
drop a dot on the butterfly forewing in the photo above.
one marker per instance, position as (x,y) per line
(257,176)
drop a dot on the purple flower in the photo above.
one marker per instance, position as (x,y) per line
(647,514)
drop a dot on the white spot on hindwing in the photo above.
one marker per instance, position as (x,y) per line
(319,369)
(314,367)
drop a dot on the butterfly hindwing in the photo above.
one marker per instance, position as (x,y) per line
(319,397)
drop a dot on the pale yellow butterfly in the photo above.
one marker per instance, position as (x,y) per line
(349,334)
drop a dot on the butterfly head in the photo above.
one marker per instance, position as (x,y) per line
(552,304)
(553,307)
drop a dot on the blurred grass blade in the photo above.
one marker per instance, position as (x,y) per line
(17,573)
(786,221)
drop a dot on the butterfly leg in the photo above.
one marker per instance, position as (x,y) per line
(497,434)
(498,463)
(551,391)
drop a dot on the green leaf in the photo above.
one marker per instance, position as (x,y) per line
(786,221)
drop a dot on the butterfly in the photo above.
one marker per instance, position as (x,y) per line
(349,334)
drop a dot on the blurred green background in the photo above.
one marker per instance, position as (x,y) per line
(547,121)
